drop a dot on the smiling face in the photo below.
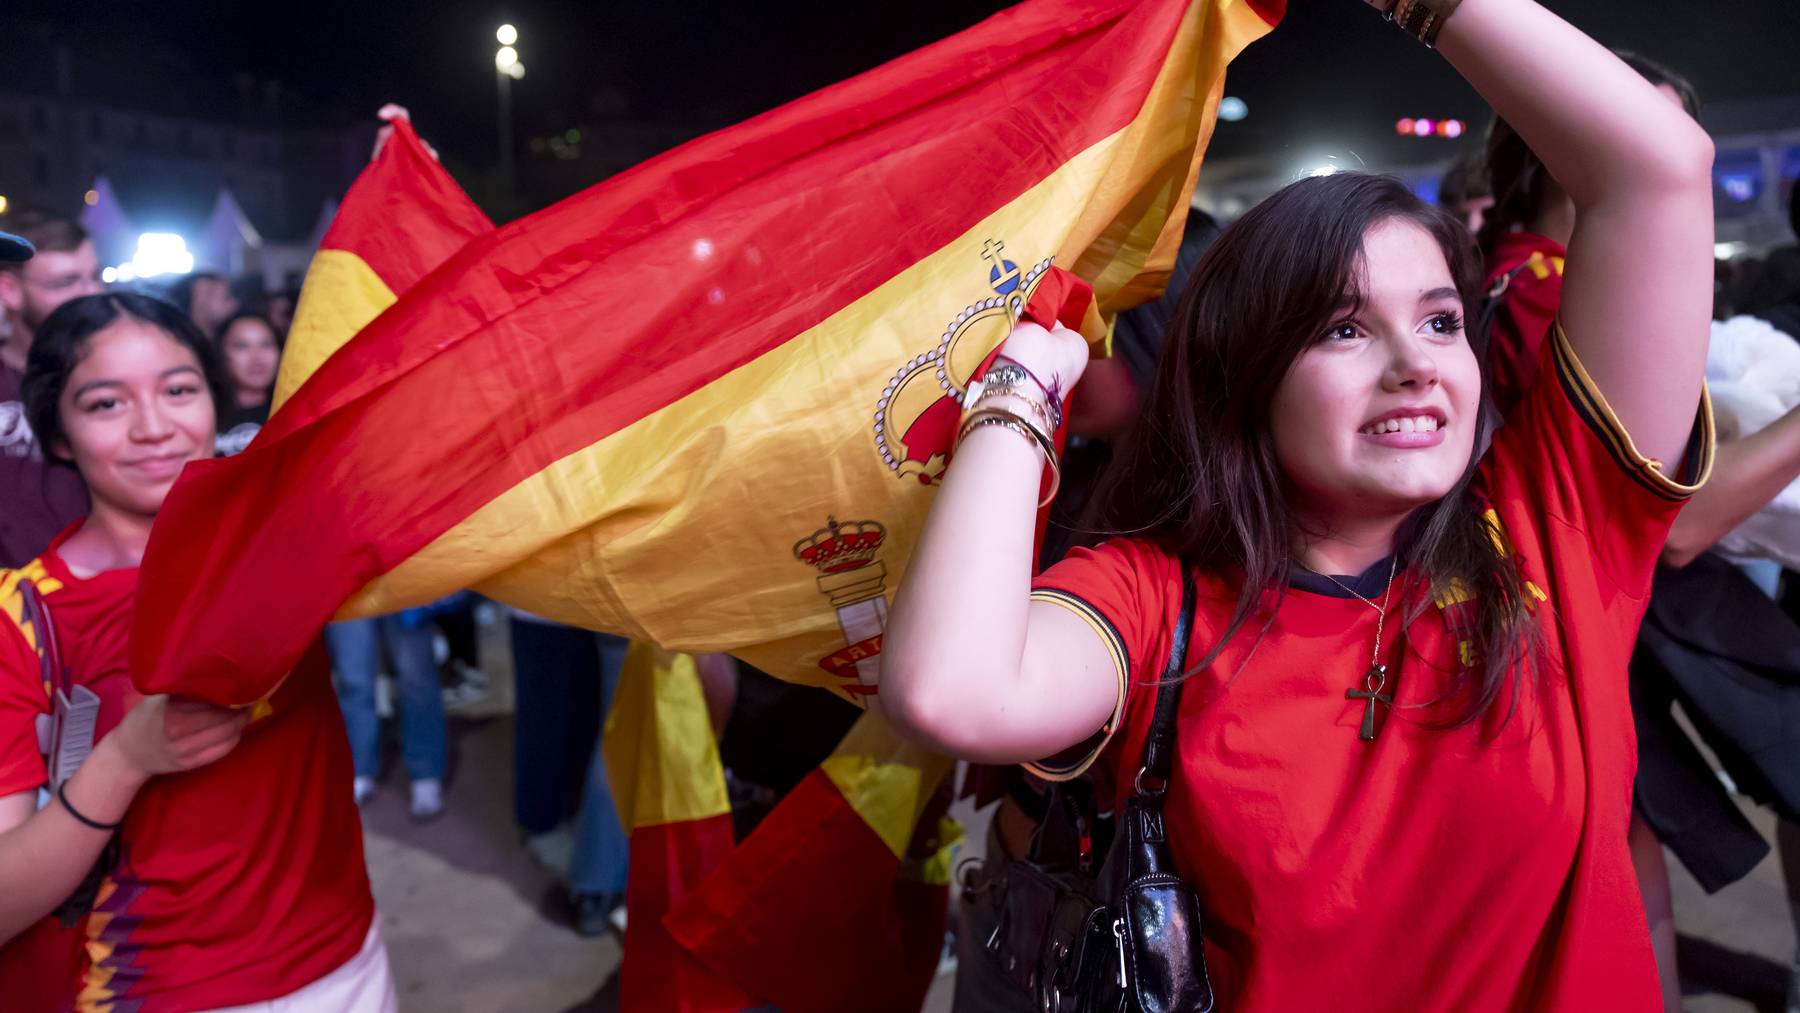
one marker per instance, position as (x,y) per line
(134,410)
(1378,416)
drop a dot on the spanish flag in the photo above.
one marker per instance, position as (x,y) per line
(403,217)
(837,900)
(705,402)
(668,784)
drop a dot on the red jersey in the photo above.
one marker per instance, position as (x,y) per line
(1478,869)
(1533,268)
(238,882)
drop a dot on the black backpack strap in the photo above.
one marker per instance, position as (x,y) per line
(1159,745)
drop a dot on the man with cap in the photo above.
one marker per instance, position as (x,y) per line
(37,498)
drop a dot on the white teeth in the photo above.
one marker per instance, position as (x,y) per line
(1408,424)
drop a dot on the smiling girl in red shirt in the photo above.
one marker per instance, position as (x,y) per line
(1405,751)
(238,881)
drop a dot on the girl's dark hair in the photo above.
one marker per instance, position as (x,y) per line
(1517,176)
(61,343)
(1198,473)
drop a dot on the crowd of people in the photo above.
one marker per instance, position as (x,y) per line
(1485,422)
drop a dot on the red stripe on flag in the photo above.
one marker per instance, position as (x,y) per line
(811,913)
(657,976)
(556,331)
(404,215)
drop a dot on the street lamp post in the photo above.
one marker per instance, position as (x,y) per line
(507,69)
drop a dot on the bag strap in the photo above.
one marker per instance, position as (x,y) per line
(1159,745)
(43,635)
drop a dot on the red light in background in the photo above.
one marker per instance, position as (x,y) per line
(1423,127)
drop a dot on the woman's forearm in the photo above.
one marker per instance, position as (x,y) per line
(1747,474)
(1598,126)
(957,630)
(44,859)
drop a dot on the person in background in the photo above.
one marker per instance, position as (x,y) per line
(563,679)
(279,308)
(466,685)
(37,499)
(1465,193)
(236,879)
(356,647)
(1776,298)
(250,347)
(1524,238)
(208,300)
(1112,392)
(1784,310)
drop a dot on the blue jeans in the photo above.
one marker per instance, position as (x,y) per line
(356,656)
(599,862)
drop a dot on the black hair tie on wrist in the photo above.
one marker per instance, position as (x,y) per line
(83,820)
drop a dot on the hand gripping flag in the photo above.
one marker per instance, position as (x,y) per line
(704,403)
(403,217)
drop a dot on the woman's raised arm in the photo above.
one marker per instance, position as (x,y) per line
(970,666)
(1637,298)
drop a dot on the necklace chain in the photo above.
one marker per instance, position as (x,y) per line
(1380,610)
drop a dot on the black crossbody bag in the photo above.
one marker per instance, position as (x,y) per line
(1125,938)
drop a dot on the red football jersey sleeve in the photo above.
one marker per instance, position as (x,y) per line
(22,696)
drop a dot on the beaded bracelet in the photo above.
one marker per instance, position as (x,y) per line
(1422,19)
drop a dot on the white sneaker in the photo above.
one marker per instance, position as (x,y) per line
(363,787)
(427,799)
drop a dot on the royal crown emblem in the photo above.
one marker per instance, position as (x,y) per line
(916,416)
(839,547)
(855,583)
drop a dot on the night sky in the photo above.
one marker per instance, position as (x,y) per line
(1332,78)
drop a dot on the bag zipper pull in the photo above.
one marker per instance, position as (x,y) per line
(1118,927)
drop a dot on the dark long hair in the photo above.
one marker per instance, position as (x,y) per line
(1198,473)
(1516,175)
(61,343)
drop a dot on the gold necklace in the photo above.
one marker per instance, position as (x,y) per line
(1376,680)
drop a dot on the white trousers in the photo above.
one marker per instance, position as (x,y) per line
(361,984)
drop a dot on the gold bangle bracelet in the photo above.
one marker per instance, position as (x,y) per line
(1038,408)
(1001,417)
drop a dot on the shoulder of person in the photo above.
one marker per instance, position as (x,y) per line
(15,631)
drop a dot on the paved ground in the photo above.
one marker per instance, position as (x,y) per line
(475,925)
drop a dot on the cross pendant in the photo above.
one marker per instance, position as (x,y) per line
(1372,695)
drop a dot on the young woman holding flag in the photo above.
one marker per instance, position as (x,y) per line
(1404,746)
(232,880)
